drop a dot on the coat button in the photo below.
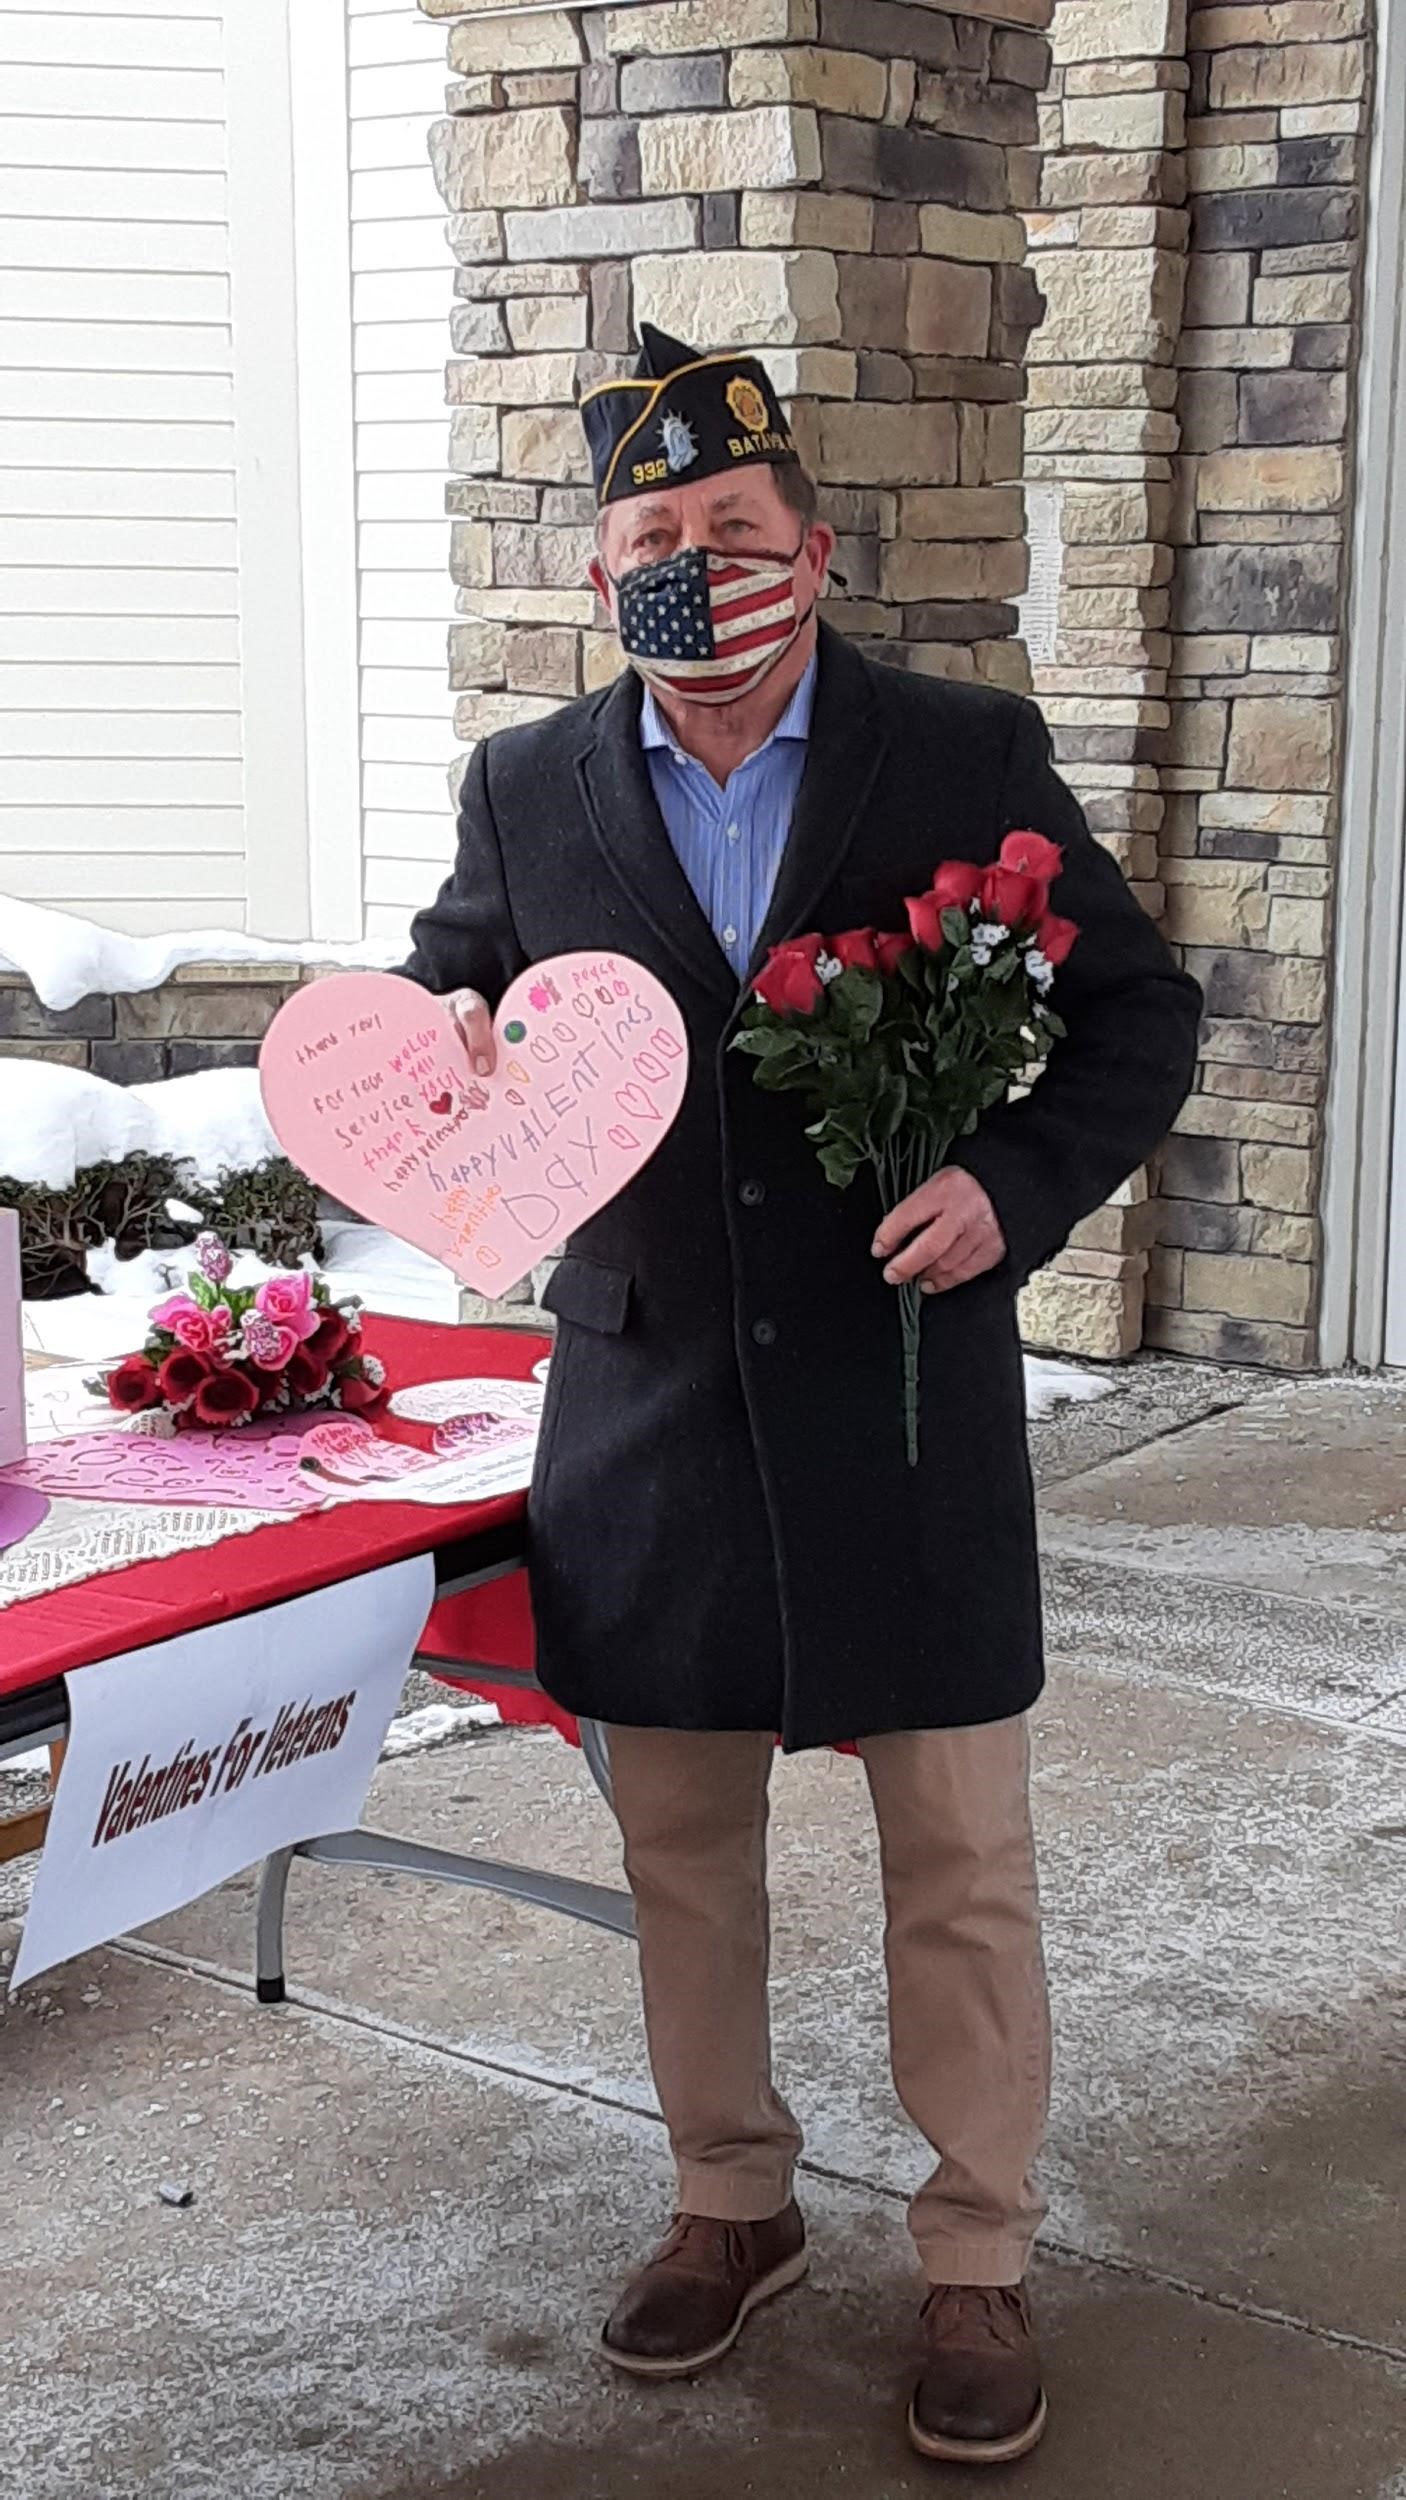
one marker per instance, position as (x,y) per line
(763,1332)
(752,1193)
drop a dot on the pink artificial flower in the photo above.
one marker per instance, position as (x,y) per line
(289,1301)
(176,1306)
(268,1342)
(212,1258)
(200,1332)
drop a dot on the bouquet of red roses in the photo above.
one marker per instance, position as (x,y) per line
(899,1042)
(223,1354)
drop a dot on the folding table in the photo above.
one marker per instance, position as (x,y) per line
(479,1634)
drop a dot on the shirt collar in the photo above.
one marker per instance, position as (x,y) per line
(793,724)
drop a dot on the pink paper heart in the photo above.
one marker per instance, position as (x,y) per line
(369,1090)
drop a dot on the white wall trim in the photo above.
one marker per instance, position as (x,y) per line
(1365,1080)
(321,230)
(264,315)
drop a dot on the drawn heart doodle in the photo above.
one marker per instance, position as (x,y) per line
(369,1090)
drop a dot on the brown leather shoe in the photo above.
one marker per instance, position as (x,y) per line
(688,2306)
(979,2400)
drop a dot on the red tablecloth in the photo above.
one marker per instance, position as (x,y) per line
(47,1636)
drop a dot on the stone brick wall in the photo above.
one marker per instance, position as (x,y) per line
(1197,236)
(835,181)
(205,1016)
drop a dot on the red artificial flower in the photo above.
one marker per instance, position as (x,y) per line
(1055,937)
(956,884)
(307,1374)
(855,949)
(134,1385)
(225,1398)
(1017,901)
(332,1338)
(181,1375)
(888,947)
(1032,856)
(954,888)
(360,1395)
(789,983)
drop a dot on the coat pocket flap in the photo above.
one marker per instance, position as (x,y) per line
(590,1293)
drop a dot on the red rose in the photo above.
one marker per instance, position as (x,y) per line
(134,1385)
(855,947)
(888,948)
(331,1338)
(181,1375)
(361,1396)
(225,1398)
(1032,856)
(954,888)
(1055,937)
(307,1374)
(1018,902)
(956,884)
(789,983)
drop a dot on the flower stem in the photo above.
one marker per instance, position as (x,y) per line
(910,1312)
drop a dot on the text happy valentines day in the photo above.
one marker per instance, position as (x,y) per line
(369,1089)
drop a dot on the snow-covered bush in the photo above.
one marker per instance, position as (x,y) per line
(142,1167)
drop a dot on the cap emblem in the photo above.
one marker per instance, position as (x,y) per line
(679,440)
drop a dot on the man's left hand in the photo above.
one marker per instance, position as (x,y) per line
(954,1233)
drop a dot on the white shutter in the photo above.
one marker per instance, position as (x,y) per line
(120,707)
(402,292)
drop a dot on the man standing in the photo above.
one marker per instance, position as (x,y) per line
(727,1543)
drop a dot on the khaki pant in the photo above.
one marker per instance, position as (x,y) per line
(968,2010)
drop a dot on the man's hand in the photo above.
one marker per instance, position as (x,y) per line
(473,1021)
(954,1234)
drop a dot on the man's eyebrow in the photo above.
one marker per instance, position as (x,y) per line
(651,508)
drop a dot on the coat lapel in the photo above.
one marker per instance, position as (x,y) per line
(625,818)
(847,744)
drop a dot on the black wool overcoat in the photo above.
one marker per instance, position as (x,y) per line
(724,1528)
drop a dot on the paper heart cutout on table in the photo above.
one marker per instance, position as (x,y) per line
(370,1092)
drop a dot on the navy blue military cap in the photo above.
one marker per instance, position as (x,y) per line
(681,416)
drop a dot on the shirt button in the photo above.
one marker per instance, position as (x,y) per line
(752,1193)
(734,833)
(729,936)
(763,1332)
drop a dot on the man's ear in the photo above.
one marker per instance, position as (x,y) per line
(601,582)
(820,547)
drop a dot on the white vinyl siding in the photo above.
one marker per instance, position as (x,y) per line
(120,701)
(402,290)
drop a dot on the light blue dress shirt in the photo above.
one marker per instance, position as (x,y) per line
(729,841)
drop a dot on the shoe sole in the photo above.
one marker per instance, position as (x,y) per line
(979,2451)
(641,2365)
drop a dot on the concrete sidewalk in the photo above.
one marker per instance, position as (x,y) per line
(417,2185)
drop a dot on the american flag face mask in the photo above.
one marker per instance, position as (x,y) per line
(708,627)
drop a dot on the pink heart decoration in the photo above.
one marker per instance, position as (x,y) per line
(369,1090)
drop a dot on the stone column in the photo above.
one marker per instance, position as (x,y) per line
(835,181)
(1280,109)
(1109,250)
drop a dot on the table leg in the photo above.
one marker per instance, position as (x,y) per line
(269,1984)
(596,1749)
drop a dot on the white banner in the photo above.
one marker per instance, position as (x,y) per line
(194,1758)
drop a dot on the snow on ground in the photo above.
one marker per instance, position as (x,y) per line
(437,1723)
(383,1273)
(65,958)
(1048,1385)
(54,1121)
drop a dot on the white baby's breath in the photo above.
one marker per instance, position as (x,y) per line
(828,968)
(1040,969)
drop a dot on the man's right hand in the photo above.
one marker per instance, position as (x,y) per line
(473,1021)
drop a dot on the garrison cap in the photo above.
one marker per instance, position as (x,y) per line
(681,416)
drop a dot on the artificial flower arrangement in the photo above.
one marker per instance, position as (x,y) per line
(224,1354)
(900,1041)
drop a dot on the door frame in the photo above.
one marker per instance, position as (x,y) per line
(1363,1205)
(290,307)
